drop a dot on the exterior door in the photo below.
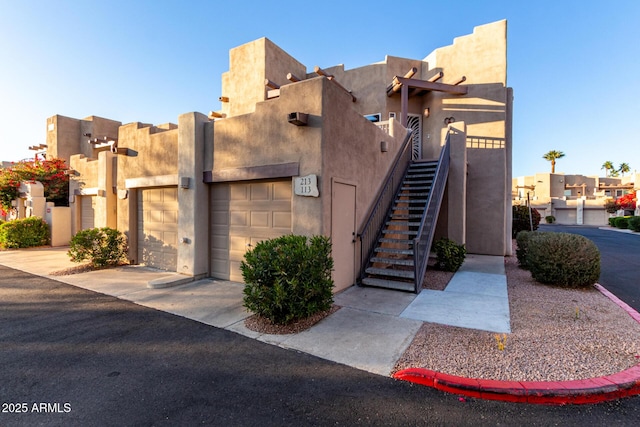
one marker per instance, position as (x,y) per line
(343,232)
(414,122)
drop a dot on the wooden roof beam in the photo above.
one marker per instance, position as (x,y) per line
(398,82)
(319,71)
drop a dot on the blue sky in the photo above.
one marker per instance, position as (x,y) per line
(573,65)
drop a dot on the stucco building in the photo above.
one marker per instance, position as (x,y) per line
(310,151)
(572,199)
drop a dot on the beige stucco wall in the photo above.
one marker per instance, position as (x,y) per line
(65,135)
(249,66)
(152,156)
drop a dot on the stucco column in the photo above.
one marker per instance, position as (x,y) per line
(193,197)
(106,200)
(457,184)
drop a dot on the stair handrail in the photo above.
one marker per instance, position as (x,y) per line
(370,232)
(424,238)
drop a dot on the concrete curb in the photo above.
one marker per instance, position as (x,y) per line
(575,392)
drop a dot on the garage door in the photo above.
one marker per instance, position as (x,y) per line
(87,212)
(158,227)
(242,214)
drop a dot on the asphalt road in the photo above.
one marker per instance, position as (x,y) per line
(619,259)
(73,357)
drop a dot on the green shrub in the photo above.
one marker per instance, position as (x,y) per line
(521,219)
(449,255)
(100,246)
(563,259)
(24,233)
(550,219)
(634,223)
(612,221)
(622,222)
(288,278)
(522,240)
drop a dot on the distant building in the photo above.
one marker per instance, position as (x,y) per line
(572,199)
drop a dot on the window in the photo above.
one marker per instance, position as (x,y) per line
(373,118)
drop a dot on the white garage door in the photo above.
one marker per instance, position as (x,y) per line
(87,212)
(158,227)
(242,214)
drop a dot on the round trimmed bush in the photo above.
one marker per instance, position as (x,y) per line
(521,219)
(288,278)
(622,222)
(522,240)
(563,259)
(634,223)
(449,255)
(100,246)
(24,233)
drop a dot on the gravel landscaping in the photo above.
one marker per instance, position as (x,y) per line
(557,335)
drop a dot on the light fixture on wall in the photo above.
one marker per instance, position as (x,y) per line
(384,146)
(449,120)
(426,112)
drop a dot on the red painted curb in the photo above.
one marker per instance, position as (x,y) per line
(593,390)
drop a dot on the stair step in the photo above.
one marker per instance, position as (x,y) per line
(413,201)
(418,175)
(394,261)
(408,208)
(416,188)
(407,232)
(405,216)
(394,251)
(410,195)
(388,284)
(397,241)
(424,181)
(404,223)
(406,274)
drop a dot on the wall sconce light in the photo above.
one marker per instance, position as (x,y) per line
(449,120)
(426,113)
(185,182)
(298,119)
(384,146)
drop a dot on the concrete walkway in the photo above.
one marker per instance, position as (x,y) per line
(370,332)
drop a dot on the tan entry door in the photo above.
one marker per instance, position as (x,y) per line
(343,229)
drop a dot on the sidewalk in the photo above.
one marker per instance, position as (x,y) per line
(370,332)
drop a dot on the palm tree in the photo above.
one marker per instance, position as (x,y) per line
(552,156)
(624,168)
(607,166)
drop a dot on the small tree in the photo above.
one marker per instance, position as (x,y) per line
(624,168)
(608,168)
(51,173)
(552,156)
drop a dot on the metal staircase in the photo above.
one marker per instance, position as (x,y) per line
(396,256)
(392,265)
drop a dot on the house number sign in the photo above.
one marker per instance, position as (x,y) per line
(306,186)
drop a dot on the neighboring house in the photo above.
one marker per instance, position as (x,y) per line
(572,199)
(293,151)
